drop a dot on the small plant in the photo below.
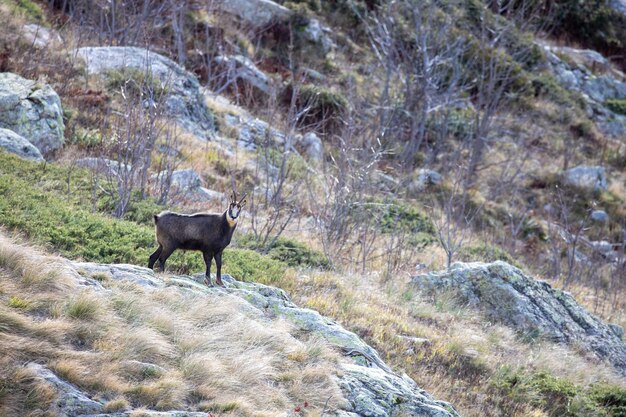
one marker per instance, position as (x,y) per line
(19,303)
(82,307)
(617,105)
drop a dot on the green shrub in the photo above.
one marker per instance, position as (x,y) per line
(611,398)
(26,8)
(136,82)
(247,265)
(617,105)
(406,218)
(485,253)
(31,204)
(294,254)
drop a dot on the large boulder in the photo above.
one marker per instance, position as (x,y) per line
(590,178)
(32,110)
(39,36)
(533,308)
(184,100)
(257,13)
(14,143)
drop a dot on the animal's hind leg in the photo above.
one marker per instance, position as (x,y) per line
(155,256)
(165,253)
(208,258)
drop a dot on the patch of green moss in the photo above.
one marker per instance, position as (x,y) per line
(138,83)
(617,105)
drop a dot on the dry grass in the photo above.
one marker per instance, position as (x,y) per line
(447,349)
(158,349)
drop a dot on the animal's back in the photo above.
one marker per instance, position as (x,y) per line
(185,227)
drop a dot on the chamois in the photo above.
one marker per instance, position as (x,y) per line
(209,233)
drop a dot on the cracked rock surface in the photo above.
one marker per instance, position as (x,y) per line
(532,307)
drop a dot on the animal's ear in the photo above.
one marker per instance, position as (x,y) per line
(243,200)
(233,197)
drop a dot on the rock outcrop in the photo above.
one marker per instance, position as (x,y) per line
(238,67)
(369,387)
(535,309)
(32,110)
(14,143)
(257,13)
(590,178)
(591,74)
(184,100)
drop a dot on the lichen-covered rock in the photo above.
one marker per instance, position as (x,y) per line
(530,306)
(593,76)
(369,386)
(70,401)
(14,143)
(103,166)
(591,178)
(257,13)
(39,36)
(184,100)
(242,68)
(312,145)
(32,110)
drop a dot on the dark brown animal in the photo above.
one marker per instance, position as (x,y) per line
(209,233)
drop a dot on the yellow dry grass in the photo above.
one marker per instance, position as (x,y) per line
(159,349)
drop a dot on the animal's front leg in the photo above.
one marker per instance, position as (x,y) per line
(208,257)
(218,262)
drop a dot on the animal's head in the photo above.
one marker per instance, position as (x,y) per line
(235,206)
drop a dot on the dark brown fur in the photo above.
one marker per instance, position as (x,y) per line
(205,232)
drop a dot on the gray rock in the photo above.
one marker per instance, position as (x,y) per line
(529,306)
(253,132)
(316,33)
(373,392)
(14,143)
(103,166)
(599,216)
(591,74)
(40,36)
(120,272)
(186,179)
(602,246)
(424,178)
(257,13)
(210,195)
(240,67)
(32,110)
(313,146)
(184,100)
(591,178)
(370,387)
(70,401)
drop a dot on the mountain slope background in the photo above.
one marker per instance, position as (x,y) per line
(378,141)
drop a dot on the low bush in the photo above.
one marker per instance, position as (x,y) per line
(31,203)
(290,252)
(617,105)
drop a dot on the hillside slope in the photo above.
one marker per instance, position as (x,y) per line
(127,339)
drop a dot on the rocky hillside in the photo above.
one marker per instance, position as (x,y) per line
(86,339)
(439,186)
